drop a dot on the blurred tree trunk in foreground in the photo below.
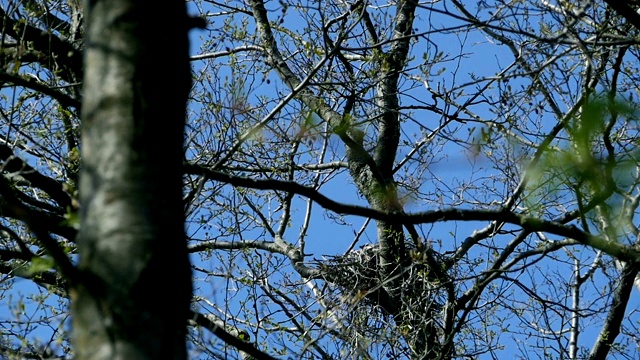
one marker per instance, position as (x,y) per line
(134,288)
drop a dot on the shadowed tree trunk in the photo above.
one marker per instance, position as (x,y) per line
(134,290)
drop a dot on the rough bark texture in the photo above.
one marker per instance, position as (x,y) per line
(133,300)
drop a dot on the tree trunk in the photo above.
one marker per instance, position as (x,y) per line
(133,297)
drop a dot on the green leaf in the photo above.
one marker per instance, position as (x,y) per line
(39,264)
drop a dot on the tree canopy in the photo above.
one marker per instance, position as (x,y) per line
(405,180)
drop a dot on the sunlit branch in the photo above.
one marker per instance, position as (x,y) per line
(575,306)
(236,245)
(218,54)
(333,165)
(231,9)
(278,246)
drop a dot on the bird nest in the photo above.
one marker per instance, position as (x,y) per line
(357,269)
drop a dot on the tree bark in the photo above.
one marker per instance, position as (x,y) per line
(133,297)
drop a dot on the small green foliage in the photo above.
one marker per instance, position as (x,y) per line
(72,219)
(39,264)
(244,336)
(342,128)
(586,164)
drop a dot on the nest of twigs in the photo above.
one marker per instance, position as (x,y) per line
(358,269)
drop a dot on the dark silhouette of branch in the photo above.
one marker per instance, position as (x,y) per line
(527,223)
(225,336)
(61,54)
(34,220)
(623,9)
(62,98)
(13,164)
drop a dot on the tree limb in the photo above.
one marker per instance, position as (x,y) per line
(623,9)
(13,164)
(34,220)
(616,314)
(62,55)
(530,224)
(62,98)
(225,336)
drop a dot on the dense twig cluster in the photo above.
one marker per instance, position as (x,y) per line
(358,281)
(356,270)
